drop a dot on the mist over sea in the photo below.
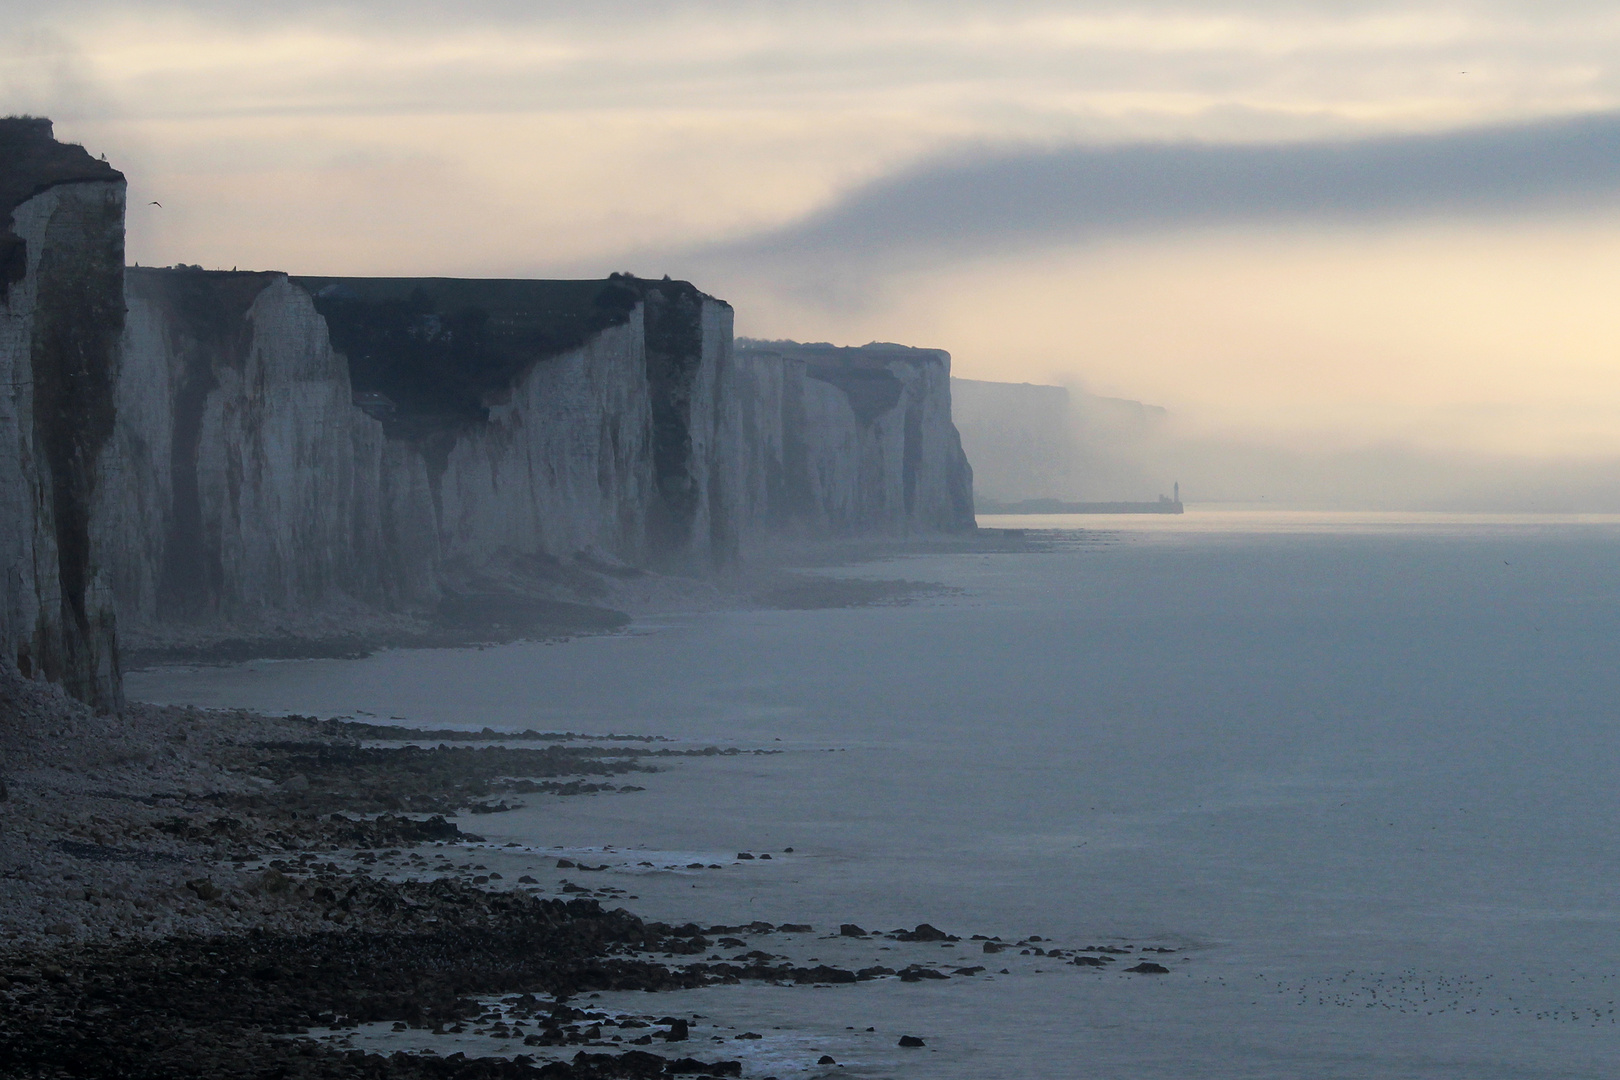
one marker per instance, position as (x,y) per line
(1359,771)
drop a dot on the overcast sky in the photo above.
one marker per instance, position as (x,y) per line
(1350,221)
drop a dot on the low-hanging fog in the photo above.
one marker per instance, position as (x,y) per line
(1034,441)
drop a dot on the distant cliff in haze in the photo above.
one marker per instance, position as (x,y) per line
(1029,441)
(293,442)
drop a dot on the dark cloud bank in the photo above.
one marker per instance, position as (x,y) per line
(990,200)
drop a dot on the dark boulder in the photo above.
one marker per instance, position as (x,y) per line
(918,974)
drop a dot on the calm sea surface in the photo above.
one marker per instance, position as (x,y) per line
(1361,772)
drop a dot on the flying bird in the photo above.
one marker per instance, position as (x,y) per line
(154,202)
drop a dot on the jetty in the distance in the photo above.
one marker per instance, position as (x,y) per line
(1164,504)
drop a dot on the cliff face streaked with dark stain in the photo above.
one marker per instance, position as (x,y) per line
(297,442)
(849,441)
(204,449)
(61,316)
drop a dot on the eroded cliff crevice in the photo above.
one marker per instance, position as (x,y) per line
(253,483)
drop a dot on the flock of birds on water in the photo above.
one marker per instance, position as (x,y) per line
(1426,993)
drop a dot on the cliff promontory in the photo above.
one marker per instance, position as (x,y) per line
(61,316)
(849,441)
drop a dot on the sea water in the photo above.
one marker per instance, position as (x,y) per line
(1360,772)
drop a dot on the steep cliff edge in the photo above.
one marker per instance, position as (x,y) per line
(249,482)
(299,445)
(61,314)
(848,441)
(555,416)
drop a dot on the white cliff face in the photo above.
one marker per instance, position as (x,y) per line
(848,442)
(58,328)
(134,507)
(252,484)
(182,446)
(716,518)
(563,464)
(937,481)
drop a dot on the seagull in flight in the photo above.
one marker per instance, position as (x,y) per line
(154,202)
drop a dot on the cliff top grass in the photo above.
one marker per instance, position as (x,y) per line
(32,162)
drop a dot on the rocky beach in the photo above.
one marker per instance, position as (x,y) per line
(205,893)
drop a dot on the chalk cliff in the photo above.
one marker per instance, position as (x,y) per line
(288,443)
(61,313)
(847,441)
(197,448)
(292,443)
(553,416)
(248,481)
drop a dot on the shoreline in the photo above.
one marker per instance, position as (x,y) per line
(228,886)
(186,915)
(183,889)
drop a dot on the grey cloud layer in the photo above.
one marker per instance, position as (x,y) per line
(438,11)
(985,200)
